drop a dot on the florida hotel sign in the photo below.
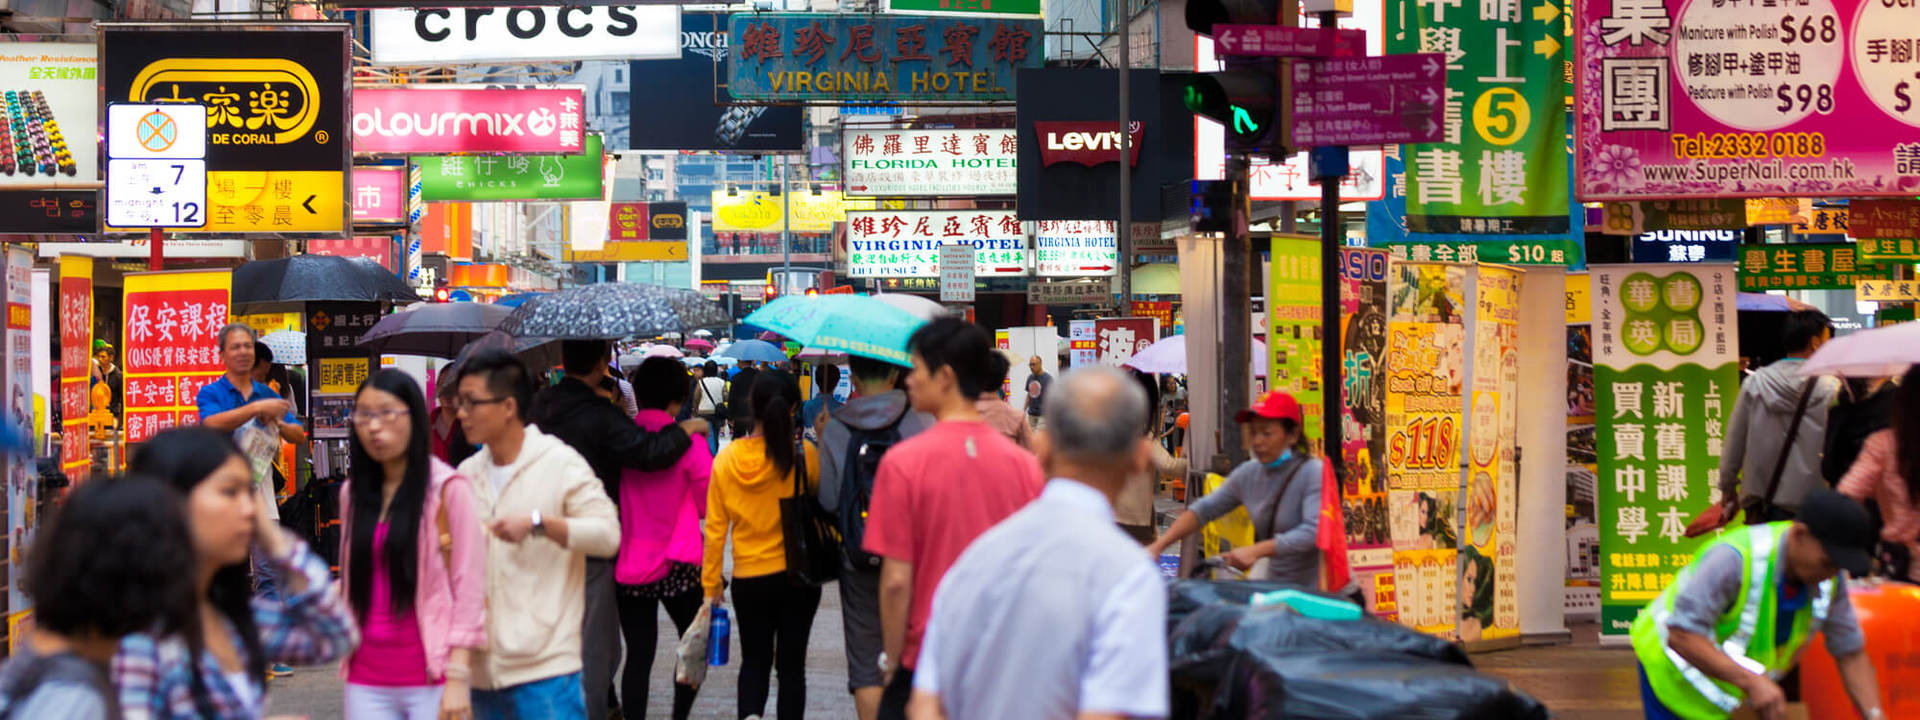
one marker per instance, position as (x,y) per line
(808,57)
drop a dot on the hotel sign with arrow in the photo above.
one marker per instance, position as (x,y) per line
(1075,248)
(1369,100)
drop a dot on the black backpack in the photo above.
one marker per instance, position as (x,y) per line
(857,470)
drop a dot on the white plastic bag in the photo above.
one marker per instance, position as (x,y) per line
(690,656)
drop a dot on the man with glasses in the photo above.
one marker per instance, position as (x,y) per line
(547,513)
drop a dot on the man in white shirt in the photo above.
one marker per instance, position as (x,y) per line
(1010,634)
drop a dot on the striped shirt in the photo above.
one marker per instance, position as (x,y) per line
(1875,476)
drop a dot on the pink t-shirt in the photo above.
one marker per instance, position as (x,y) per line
(660,511)
(391,653)
(938,491)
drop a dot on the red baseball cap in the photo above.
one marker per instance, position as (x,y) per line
(1274,405)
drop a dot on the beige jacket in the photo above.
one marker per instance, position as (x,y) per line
(536,589)
(1134,504)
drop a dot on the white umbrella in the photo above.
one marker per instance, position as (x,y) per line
(289,346)
(1169,357)
(914,305)
(1880,352)
(663,351)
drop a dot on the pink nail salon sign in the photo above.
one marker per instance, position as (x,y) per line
(461,119)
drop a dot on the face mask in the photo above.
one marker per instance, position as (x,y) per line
(1285,455)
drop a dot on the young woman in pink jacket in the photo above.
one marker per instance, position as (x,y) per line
(413,561)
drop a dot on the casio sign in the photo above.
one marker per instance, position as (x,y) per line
(499,34)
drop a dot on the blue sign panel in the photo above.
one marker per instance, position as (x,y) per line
(812,57)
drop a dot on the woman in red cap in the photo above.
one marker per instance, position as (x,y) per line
(1279,487)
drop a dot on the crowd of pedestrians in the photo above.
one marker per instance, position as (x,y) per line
(497,552)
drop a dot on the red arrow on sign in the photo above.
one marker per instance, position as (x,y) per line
(1102,268)
(1009,269)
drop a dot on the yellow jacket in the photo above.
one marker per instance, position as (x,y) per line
(743,498)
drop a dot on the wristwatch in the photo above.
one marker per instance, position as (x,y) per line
(883,663)
(539,526)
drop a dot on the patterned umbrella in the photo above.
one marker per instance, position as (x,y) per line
(606,311)
(289,346)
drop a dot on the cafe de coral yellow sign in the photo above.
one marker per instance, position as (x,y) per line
(756,211)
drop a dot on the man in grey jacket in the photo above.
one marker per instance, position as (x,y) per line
(1762,417)
(874,408)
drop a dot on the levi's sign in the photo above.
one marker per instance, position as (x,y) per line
(1370,100)
(523,34)
(462,119)
(1087,143)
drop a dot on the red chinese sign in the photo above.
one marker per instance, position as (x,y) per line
(173,322)
(76,337)
(1883,219)
(1117,340)
(378,248)
(1161,311)
(626,221)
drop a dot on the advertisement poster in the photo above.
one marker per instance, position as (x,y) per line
(1293,329)
(1117,340)
(379,195)
(52,114)
(335,367)
(824,57)
(277,127)
(1502,167)
(1363,437)
(930,163)
(1701,99)
(76,349)
(422,36)
(906,243)
(1387,227)
(513,177)
(1082,343)
(424,119)
(1583,532)
(760,212)
(1426,374)
(20,470)
(170,346)
(1489,594)
(1666,364)
(703,115)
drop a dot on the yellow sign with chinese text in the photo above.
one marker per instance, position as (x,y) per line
(1579,299)
(761,212)
(341,375)
(1887,291)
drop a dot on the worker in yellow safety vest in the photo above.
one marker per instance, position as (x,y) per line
(1735,620)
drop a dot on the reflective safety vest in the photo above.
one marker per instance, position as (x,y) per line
(1745,632)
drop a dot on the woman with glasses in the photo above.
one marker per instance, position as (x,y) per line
(215,668)
(413,561)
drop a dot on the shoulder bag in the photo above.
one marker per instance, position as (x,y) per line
(1761,510)
(811,537)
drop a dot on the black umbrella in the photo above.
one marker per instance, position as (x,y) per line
(281,285)
(606,311)
(434,329)
(538,353)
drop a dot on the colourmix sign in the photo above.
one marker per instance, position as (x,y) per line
(461,119)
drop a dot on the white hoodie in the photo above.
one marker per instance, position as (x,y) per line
(536,589)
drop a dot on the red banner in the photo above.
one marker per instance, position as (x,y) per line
(76,337)
(1883,219)
(173,323)
(1162,311)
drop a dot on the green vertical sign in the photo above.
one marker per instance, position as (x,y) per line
(971,8)
(1502,168)
(1293,327)
(1665,374)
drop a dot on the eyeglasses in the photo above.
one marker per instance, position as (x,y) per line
(363,418)
(465,403)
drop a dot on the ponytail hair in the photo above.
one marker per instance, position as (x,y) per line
(774,398)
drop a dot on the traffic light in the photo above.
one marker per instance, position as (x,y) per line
(1247,96)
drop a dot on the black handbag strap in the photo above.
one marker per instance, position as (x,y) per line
(1271,510)
(1786,448)
(799,467)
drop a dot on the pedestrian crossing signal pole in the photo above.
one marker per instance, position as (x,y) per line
(1329,166)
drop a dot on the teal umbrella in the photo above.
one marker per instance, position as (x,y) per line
(851,324)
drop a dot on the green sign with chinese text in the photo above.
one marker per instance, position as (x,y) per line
(976,8)
(513,177)
(1810,266)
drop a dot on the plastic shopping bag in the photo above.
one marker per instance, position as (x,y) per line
(690,656)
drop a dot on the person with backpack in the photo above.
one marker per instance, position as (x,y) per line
(115,560)
(852,442)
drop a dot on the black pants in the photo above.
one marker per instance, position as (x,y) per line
(640,624)
(774,617)
(893,700)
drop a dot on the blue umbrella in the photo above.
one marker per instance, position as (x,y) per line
(851,324)
(754,351)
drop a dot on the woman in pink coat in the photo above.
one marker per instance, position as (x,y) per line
(413,558)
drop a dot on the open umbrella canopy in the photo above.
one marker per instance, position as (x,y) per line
(699,344)
(667,351)
(538,353)
(289,346)
(281,285)
(914,305)
(607,311)
(852,324)
(755,351)
(1880,352)
(434,329)
(1169,357)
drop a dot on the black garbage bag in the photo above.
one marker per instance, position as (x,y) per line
(1364,685)
(1186,596)
(1210,638)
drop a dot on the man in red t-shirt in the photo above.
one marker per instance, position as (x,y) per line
(937,491)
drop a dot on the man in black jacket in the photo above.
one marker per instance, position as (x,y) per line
(611,442)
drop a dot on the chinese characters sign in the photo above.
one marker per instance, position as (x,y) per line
(1887,291)
(1363,393)
(1902,250)
(1293,328)
(1501,166)
(452,118)
(906,243)
(276,116)
(1811,266)
(513,177)
(1685,245)
(1748,99)
(51,212)
(1665,370)
(171,346)
(338,365)
(76,339)
(1426,371)
(1071,292)
(379,195)
(908,163)
(1387,225)
(1489,600)
(1075,248)
(820,57)
(1884,219)
(1117,340)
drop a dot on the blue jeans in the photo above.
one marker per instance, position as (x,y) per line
(264,577)
(555,698)
(1655,710)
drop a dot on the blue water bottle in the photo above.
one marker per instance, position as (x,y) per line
(717,638)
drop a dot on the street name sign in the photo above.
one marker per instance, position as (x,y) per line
(1282,41)
(1387,99)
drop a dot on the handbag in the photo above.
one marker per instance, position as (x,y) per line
(1761,510)
(690,654)
(811,537)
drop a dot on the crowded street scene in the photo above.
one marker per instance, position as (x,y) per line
(960,360)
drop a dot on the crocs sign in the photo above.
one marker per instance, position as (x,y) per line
(456,119)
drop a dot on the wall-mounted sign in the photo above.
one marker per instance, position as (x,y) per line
(1886,291)
(1075,248)
(823,57)
(171,346)
(923,163)
(462,119)
(51,112)
(379,195)
(1903,250)
(1805,266)
(956,273)
(1073,292)
(1087,143)
(1660,246)
(513,177)
(755,211)
(970,8)
(1884,219)
(525,34)
(1825,220)
(637,232)
(906,243)
(156,165)
(49,211)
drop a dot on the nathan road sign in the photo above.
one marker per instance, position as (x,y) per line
(277,152)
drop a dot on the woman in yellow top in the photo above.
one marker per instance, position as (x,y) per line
(773,614)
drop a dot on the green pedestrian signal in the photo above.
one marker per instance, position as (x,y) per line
(1245,96)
